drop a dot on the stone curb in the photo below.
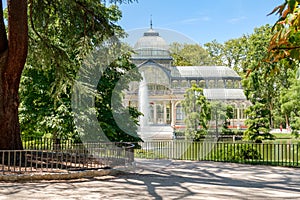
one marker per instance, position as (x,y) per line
(61,176)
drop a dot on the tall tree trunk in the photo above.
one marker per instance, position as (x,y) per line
(287,124)
(13,53)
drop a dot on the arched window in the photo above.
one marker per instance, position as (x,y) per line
(220,84)
(202,84)
(236,84)
(179,112)
(175,84)
(159,113)
(184,83)
(241,112)
(229,84)
(211,84)
(193,82)
(151,113)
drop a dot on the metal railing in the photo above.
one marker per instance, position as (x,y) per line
(66,158)
(250,153)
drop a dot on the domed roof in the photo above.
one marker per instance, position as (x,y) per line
(151,40)
(151,46)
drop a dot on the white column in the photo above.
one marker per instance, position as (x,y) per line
(238,118)
(154,113)
(165,112)
(173,116)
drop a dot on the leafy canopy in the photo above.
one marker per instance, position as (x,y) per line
(61,34)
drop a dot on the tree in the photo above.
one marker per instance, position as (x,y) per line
(189,55)
(232,53)
(109,113)
(258,125)
(291,107)
(228,116)
(84,24)
(284,48)
(263,83)
(220,114)
(215,50)
(197,112)
(40,113)
(13,52)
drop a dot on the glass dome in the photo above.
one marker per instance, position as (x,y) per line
(151,45)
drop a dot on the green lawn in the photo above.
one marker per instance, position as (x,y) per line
(283,135)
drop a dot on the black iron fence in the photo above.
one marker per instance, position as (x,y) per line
(251,153)
(48,155)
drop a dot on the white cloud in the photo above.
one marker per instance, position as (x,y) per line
(236,20)
(195,20)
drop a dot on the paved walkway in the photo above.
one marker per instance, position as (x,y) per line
(164,179)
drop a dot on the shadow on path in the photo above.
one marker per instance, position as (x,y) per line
(164,179)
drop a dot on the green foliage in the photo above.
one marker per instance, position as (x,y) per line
(61,34)
(262,81)
(189,55)
(284,48)
(237,152)
(231,53)
(197,112)
(106,87)
(141,153)
(228,115)
(291,107)
(40,114)
(216,52)
(220,115)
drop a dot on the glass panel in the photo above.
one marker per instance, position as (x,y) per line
(179,113)
(160,114)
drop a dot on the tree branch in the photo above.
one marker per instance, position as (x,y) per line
(101,19)
(285,48)
(31,21)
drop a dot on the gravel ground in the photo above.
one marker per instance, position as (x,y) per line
(165,179)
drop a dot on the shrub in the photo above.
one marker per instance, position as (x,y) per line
(236,153)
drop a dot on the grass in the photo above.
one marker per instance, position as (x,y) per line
(141,153)
(283,135)
(283,138)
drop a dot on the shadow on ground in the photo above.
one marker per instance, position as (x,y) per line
(164,179)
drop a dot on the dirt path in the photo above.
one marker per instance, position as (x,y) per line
(164,179)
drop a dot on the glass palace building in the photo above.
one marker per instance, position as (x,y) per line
(166,85)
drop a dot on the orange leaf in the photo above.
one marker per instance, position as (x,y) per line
(284,14)
(278,8)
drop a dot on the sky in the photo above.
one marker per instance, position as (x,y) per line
(201,21)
